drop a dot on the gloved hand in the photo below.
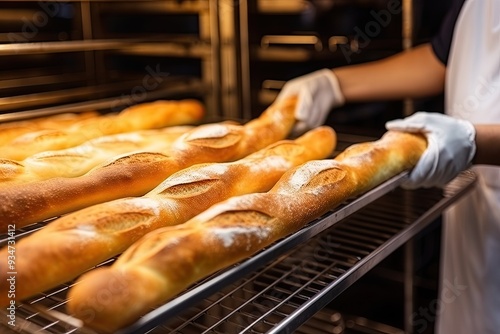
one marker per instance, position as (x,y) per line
(450,147)
(318,92)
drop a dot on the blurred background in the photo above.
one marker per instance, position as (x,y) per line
(234,55)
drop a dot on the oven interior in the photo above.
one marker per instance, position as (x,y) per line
(235,55)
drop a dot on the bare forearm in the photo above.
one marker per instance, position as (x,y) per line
(410,74)
(487,144)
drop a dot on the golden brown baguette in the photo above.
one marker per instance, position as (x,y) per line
(143,116)
(78,160)
(168,260)
(136,174)
(53,255)
(11,130)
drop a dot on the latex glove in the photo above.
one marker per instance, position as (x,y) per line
(450,147)
(318,92)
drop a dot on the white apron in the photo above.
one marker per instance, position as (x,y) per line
(470,271)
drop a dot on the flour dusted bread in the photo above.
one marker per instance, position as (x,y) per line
(54,254)
(13,129)
(136,174)
(78,160)
(143,116)
(168,260)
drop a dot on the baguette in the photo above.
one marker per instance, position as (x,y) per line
(138,173)
(78,160)
(168,260)
(139,117)
(11,130)
(53,255)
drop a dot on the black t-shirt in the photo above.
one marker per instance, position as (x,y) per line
(441,43)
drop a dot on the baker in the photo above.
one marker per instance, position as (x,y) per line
(463,60)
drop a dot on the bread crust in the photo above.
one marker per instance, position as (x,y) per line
(170,259)
(11,130)
(70,245)
(151,115)
(138,173)
(78,160)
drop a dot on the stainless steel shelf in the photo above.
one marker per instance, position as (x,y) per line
(170,88)
(187,46)
(193,49)
(155,6)
(70,55)
(282,6)
(331,321)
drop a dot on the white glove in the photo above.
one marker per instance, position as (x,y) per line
(318,92)
(450,147)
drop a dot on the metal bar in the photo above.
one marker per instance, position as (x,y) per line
(100,45)
(283,301)
(158,6)
(217,301)
(66,46)
(270,40)
(42,80)
(408,285)
(225,296)
(213,70)
(407,43)
(181,86)
(246,99)
(250,300)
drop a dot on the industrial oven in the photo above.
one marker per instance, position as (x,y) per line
(361,268)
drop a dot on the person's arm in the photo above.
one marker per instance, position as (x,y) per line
(410,74)
(487,144)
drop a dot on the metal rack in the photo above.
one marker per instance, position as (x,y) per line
(286,292)
(280,288)
(77,51)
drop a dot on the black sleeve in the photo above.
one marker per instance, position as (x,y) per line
(441,43)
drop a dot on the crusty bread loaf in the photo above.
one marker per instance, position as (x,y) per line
(143,116)
(54,254)
(166,261)
(136,174)
(13,129)
(78,160)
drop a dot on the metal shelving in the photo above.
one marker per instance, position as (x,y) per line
(79,51)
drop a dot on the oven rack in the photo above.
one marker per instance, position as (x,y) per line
(283,286)
(295,285)
(172,87)
(79,50)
